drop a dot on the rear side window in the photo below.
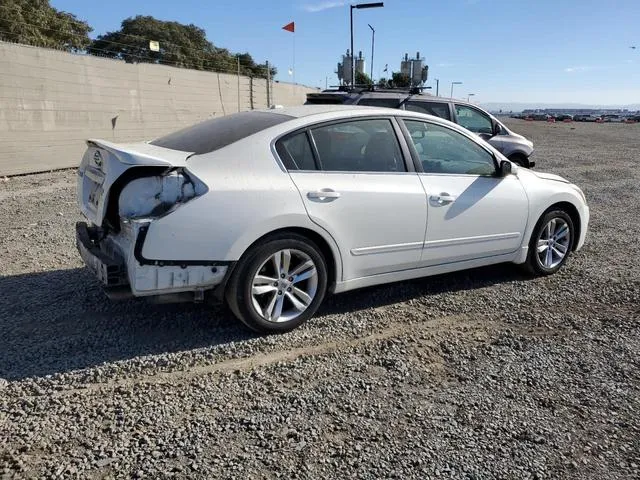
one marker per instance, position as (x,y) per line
(432,108)
(380,102)
(295,152)
(217,133)
(359,146)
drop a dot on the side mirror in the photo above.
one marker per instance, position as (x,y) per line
(496,128)
(505,168)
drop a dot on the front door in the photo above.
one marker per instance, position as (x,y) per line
(478,122)
(361,192)
(472,213)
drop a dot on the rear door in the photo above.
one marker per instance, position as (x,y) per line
(355,182)
(472,213)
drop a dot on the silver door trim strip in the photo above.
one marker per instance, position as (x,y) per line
(401,247)
(468,240)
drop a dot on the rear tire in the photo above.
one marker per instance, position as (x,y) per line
(551,243)
(279,284)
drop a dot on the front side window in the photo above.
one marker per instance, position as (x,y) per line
(473,119)
(359,146)
(295,152)
(442,150)
(432,108)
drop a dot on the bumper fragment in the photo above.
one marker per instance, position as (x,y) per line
(109,268)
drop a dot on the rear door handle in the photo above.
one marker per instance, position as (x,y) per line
(323,194)
(443,199)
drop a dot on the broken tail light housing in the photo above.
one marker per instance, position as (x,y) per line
(157,195)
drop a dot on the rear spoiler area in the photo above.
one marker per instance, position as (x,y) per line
(142,154)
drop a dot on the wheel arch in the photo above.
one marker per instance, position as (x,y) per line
(572,211)
(327,247)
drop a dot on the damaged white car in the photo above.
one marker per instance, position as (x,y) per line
(270,210)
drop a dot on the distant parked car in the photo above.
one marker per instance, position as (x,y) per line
(608,118)
(540,116)
(272,209)
(515,147)
(564,116)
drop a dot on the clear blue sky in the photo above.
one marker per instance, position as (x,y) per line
(502,50)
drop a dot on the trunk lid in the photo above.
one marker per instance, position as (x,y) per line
(103,163)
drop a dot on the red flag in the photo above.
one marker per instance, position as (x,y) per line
(290,27)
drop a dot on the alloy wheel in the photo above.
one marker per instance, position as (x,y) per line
(284,285)
(553,243)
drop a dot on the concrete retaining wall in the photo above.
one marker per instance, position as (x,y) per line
(51,101)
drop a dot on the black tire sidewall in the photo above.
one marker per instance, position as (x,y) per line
(519,160)
(534,261)
(239,294)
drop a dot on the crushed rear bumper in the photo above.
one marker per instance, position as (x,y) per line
(117,262)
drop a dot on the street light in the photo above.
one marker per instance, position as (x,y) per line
(452,84)
(358,6)
(373,42)
(469,95)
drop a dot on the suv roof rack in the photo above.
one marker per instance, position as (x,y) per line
(360,88)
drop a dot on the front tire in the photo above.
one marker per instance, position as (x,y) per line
(520,160)
(279,284)
(551,243)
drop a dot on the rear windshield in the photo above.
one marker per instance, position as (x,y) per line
(380,102)
(328,99)
(219,132)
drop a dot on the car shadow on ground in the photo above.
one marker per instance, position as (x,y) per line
(58,321)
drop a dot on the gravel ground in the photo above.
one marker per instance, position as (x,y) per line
(481,374)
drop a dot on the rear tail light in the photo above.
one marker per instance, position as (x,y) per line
(157,195)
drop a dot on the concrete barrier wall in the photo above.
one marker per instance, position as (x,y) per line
(52,101)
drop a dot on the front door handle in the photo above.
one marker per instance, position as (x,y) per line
(323,194)
(443,199)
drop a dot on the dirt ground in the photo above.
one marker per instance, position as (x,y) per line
(482,374)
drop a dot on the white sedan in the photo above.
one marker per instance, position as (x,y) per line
(270,210)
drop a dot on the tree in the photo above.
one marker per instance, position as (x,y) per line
(180,45)
(363,79)
(401,80)
(35,22)
(384,83)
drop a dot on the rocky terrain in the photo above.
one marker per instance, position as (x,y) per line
(482,374)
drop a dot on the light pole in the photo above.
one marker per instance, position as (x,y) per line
(452,84)
(437,87)
(351,7)
(469,95)
(373,42)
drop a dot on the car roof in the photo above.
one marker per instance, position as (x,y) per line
(307,114)
(337,111)
(306,110)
